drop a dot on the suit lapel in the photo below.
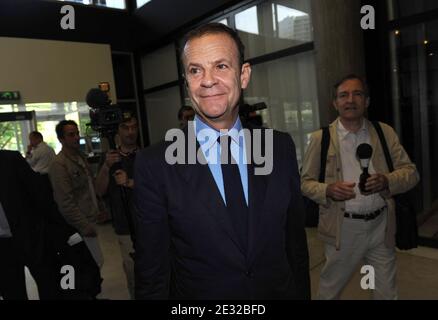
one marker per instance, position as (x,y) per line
(257,186)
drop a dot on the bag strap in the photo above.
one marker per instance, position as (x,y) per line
(325,142)
(378,128)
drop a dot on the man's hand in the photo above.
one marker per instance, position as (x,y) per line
(90,232)
(341,191)
(376,183)
(112,157)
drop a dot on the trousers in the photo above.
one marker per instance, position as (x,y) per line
(361,242)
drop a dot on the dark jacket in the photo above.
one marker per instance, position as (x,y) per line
(187,248)
(24,204)
(40,233)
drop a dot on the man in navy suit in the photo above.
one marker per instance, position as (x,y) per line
(227,229)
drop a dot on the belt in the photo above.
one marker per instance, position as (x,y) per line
(365,216)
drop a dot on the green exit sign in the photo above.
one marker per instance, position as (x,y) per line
(9,96)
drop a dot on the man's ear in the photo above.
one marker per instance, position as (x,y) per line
(245,75)
(368,102)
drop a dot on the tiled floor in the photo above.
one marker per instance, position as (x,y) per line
(114,282)
(417,270)
(428,222)
(417,276)
(429,229)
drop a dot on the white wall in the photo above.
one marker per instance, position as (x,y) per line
(159,67)
(162,112)
(53,71)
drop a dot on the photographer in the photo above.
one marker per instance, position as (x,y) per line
(116,173)
(185,114)
(248,113)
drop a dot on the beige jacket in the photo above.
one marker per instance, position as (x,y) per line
(72,191)
(331,213)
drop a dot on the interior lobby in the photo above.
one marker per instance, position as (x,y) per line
(297,49)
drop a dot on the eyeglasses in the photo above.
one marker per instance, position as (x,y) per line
(345,95)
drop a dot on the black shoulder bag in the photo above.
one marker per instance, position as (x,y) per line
(311,207)
(406,236)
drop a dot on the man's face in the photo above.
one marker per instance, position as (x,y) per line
(214,77)
(128,132)
(71,137)
(34,141)
(351,101)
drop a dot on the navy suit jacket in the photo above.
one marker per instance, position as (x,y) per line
(24,205)
(187,247)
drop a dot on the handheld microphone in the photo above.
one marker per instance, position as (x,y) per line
(363,153)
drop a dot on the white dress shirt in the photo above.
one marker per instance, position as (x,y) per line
(351,169)
(41,158)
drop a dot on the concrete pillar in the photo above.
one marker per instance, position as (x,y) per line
(339,47)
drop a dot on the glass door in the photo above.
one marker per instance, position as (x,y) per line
(414,68)
(14,130)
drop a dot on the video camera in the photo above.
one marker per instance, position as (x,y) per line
(105,117)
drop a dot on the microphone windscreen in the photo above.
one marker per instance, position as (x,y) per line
(96,98)
(364,151)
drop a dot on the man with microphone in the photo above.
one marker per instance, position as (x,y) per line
(357,212)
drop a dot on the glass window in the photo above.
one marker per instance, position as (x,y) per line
(160,67)
(79,1)
(247,21)
(414,55)
(116,4)
(141,3)
(272,26)
(162,112)
(291,23)
(403,8)
(288,87)
(13,134)
(224,21)
(47,117)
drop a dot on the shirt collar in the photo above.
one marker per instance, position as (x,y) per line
(207,144)
(343,132)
